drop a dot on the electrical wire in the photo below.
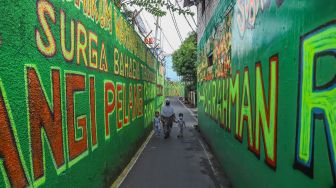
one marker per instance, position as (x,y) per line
(175,24)
(185,16)
(163,33)
(171,46)
(148,26)
(146,22)
(193,19)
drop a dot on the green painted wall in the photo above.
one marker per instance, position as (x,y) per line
(78,89)
(267,104)
(160,87)
(173,88)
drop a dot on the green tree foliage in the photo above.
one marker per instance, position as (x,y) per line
(155,7)
(184,61)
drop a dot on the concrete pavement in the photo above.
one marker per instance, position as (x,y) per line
(176,162)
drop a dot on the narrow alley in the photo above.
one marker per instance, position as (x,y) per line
(82,82)
(176,162)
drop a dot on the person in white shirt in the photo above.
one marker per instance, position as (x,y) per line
(167,118)
(157,123)
(181,124)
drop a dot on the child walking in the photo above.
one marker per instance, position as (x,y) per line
(181,124)
(157,123)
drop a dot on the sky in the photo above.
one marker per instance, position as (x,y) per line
(168,29)
(170,40)
(170,73)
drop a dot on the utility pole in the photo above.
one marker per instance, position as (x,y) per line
(156,44)
(156,35)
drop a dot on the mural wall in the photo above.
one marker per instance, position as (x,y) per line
(78,89)
(266,87)
(174,89)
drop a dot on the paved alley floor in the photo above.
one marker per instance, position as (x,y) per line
(176,162)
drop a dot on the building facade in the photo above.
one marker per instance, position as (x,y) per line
(267,91)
